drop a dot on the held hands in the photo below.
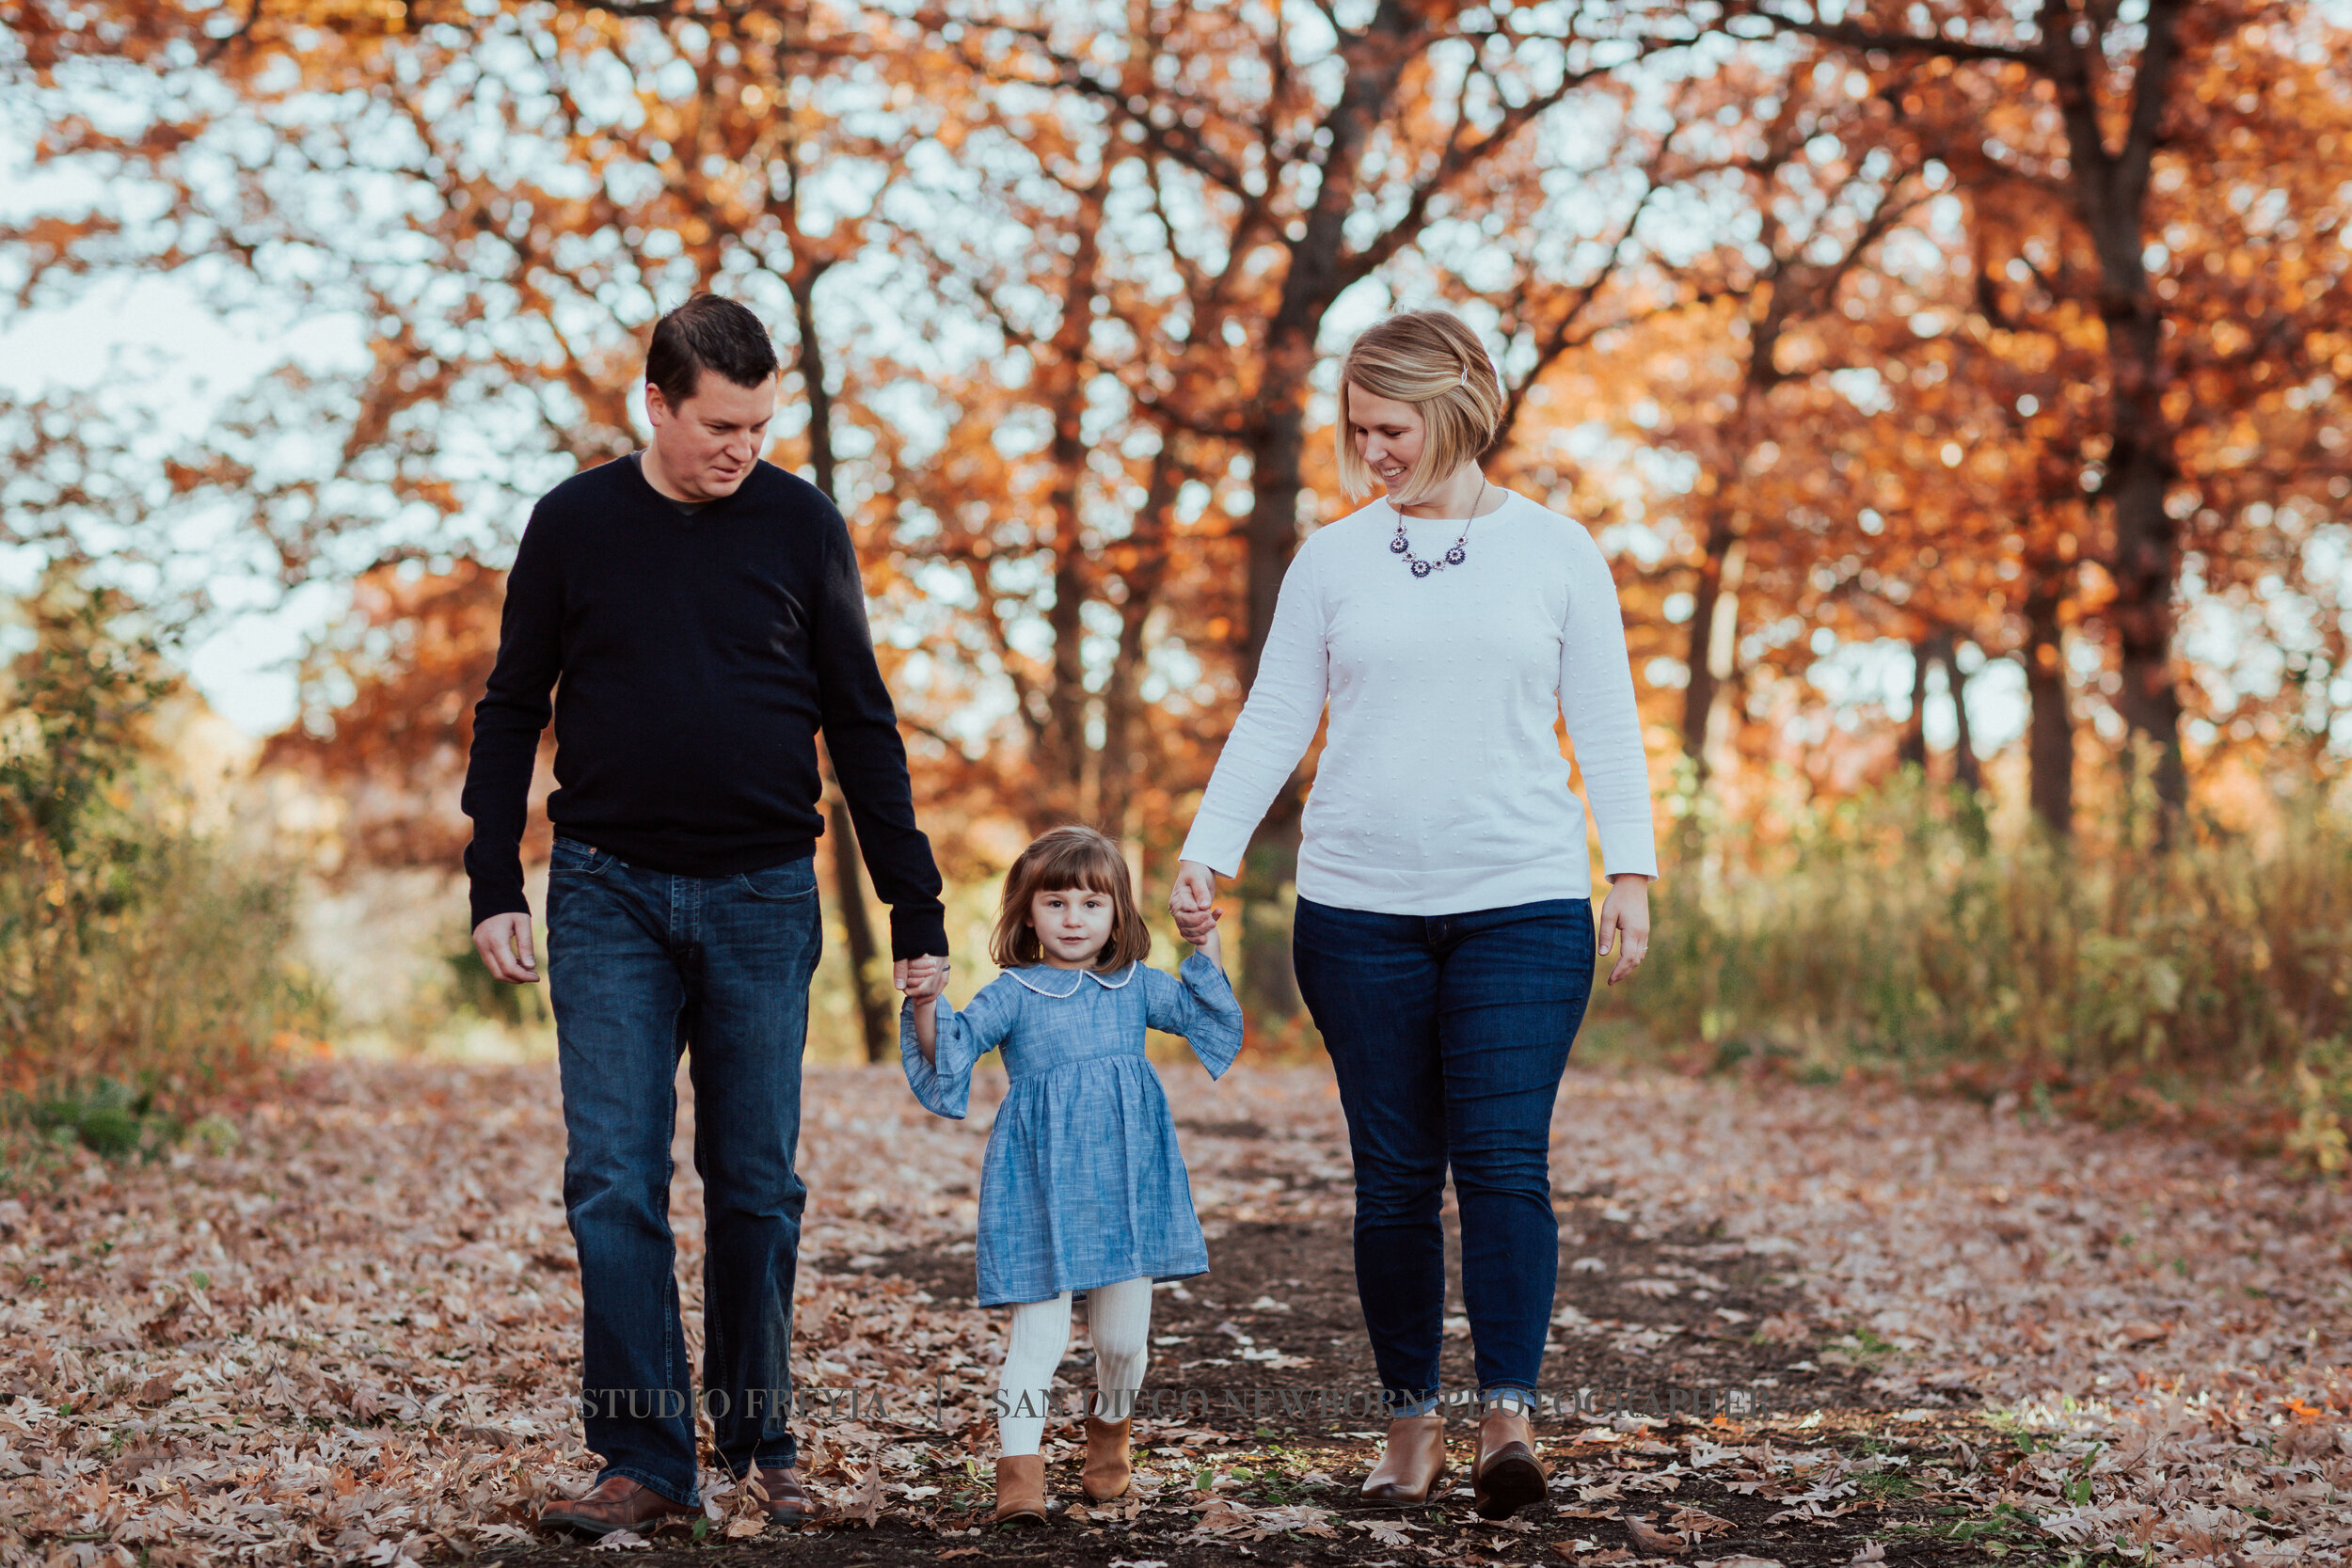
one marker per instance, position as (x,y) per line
(922,978)
(1624,914)
(1193,902)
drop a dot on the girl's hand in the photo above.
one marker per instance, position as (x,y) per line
(1211,945)
(928,1025)
(921,978)
(1624,914)
(1193,902)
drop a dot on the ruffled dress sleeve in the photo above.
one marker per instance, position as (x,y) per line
(945,1085)
(1197,1003)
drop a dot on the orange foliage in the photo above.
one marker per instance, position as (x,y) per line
(390,721)
(1939,338)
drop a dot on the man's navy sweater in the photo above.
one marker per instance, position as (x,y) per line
(698,654)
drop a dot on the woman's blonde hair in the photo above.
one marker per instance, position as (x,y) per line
(1070,857)
(1433,360)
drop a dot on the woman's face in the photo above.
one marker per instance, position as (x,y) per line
(1387,435)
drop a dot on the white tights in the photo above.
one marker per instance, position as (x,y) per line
(1119,1319)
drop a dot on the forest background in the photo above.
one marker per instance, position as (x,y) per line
(1958,390)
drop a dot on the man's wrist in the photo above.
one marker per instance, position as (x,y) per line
(919,931)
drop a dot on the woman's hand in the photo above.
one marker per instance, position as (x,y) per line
(1625,918)
(1193,902)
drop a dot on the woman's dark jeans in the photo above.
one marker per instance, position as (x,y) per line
(1448,1034)
(640,966)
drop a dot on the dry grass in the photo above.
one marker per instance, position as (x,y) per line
(2209,981)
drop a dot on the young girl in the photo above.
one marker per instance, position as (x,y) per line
(1082,1189)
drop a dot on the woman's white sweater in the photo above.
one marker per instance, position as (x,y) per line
(1441,787)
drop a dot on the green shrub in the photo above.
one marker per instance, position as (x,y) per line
(144,967)
(107,1118)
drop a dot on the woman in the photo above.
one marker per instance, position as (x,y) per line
(1444,938)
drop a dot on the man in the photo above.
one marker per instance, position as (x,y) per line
(703,613)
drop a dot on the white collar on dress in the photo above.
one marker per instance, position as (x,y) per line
(1044,970)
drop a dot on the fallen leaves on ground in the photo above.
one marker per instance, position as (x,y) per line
(2159,1331)
(355,1334)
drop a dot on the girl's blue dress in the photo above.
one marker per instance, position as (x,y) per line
(1082,1184)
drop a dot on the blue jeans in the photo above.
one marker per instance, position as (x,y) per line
(640,966)
(1448,1034)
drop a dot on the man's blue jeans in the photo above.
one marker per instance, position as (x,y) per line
(640,966)
(1448,1034)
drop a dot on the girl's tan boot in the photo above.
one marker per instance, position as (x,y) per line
(1021,1489)
(1108,1469)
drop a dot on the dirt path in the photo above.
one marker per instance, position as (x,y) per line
(1982,1338)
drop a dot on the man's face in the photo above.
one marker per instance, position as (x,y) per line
(708,443)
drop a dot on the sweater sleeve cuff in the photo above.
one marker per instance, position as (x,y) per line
(1216,845)
(1632,854)
(495,888)
(917,930)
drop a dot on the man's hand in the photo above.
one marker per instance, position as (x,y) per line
(1625,914)
(505,942)
(922,978)
(1193,902)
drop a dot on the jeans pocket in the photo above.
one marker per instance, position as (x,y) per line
(571,858)
(780,884)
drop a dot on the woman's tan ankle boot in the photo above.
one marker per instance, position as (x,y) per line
(1109,1468)
(1507,1475)
(1413,1463)
(1021,1489)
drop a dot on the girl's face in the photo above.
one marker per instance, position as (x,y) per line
(1073,925)
(1387,435)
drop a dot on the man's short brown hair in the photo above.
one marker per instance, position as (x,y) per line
(708,333)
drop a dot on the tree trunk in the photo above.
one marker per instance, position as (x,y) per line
(1121,703)
(2111,190)
(1317,274)
(1715,604)
(1065,754)
(1912,750)
(2050,735)
(867,979)
(865,966)
(1968,772)
(1269,989)
(1710,644)
(810,361)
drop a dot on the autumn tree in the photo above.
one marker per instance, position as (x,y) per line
(2081,102)
(1825,189)
(1285,158)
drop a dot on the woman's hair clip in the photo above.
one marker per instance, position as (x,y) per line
(1463,380)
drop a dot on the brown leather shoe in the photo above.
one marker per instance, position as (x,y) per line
(1021,1489)
(1413,1463)
(1507,1475)
(1108,1467)
(788,1499)
(616,1502)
